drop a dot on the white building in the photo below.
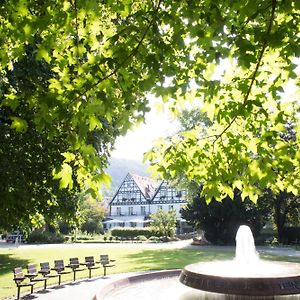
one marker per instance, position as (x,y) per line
(138,197)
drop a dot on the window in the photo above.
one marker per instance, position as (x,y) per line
(143,210)
(163,192)
(130,211)
(119,212)
(179,194)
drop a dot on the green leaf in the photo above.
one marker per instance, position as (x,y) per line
(64,176)
(94,123)
(42,53)
(18,124)
(69,157)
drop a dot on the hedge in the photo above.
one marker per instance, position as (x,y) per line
(131,232)
(44,238)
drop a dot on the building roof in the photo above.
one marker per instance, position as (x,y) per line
(147,186)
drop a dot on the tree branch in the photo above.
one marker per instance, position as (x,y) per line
(265,42)
(127,58)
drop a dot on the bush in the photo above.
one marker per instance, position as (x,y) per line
(154,239)
(65,228)
(274,242)
(132,232)
(291,235)
(142,238)
(84,237)
(40,237)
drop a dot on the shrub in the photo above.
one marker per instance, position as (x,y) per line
(45,238)
(131,232)
(291,235)
(84,237)
(142,238)
(274,242)
(154,239)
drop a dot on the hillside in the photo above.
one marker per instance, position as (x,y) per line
(119,168)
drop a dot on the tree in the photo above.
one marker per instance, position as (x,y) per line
(29,194)
(164,223)
(221,220)
(285,210)
(92,214)
(105,56)
(194,118)
(244,148)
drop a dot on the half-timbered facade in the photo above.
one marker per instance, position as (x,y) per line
(138,197)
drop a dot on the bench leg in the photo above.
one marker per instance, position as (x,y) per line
(18,296)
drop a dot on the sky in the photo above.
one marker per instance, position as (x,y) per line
(159,123)
(139,140)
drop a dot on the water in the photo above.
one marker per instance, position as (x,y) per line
(245,266)
(170,288)
(245,251)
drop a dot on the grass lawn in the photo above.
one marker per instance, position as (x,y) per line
(127,260)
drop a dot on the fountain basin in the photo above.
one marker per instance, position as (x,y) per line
(135,286)
(261,278)
(162,285)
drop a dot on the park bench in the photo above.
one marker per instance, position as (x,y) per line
(75,266)
(32,274)
(105,262)
(46,271)
(19,279)
(90,264)
(59,267)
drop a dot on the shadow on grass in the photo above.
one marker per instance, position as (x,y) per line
(274,257)
(172,259)
(8,263)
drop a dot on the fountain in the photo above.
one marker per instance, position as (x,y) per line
(245,277)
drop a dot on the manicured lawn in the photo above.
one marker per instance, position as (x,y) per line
(127,260)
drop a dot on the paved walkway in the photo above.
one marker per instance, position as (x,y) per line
(86,289)
(80,290)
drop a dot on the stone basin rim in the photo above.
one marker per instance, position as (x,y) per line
(287,284)
(127,281)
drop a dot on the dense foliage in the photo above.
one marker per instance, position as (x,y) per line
(241,57)
(102,58)
(132,232)
(163,223)
(92,214)
(221,220)
(291,235)
(44,237)
(285,211)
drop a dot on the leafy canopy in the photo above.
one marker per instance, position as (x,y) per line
(104,56)
(164,222)
(255,46)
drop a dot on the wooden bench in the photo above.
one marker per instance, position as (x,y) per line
(90,264)
(19,279)
(75,266)
(32,274)
(59,267)
(105,262)
(46,271)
